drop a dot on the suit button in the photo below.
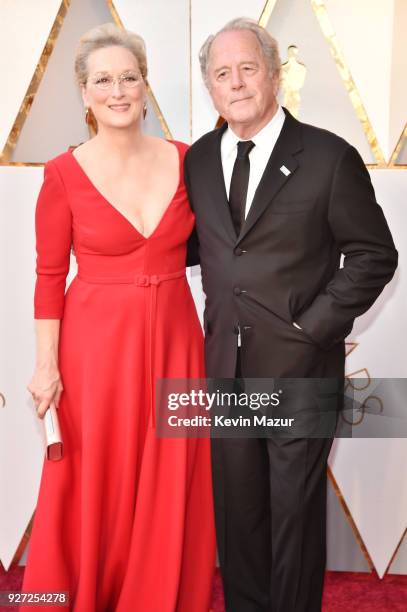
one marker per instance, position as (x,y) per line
(237,291)
(238,251)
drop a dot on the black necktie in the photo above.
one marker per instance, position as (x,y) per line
(239,183)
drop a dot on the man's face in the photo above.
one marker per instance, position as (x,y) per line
(239,82)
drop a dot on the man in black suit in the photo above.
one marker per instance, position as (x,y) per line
(277,202)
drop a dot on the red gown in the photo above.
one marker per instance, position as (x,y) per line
(124,521)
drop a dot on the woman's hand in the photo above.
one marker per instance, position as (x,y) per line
(45,387)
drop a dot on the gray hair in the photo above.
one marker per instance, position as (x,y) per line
(108,35)
(267,43)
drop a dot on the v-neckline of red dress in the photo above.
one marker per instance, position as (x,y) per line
(119,212)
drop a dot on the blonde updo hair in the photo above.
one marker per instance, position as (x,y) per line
(108,35)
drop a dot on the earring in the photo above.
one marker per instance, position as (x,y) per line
(144,110)
(87,116)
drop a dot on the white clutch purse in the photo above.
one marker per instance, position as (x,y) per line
(53,439)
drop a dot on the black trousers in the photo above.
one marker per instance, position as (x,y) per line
(270,511)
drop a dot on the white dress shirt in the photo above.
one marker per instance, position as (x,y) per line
(264,140)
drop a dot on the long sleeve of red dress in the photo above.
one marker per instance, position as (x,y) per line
(53,226)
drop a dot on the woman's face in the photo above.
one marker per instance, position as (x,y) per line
(115,89)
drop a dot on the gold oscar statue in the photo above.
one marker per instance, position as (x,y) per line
(293,75)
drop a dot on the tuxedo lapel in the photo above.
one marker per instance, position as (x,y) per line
(215,183)
(279,170)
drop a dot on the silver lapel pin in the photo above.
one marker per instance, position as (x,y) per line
(285,170)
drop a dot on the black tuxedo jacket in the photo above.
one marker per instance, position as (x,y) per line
(315,201)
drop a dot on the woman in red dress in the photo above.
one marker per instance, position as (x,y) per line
(124,521)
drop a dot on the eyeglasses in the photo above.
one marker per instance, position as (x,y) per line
(127,79)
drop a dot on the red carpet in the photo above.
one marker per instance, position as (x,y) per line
(344,592)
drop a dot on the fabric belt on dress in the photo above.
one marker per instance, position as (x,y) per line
(152,282)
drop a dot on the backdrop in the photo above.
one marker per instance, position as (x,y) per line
(343,70)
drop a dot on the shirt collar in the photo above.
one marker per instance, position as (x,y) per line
(265,139)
